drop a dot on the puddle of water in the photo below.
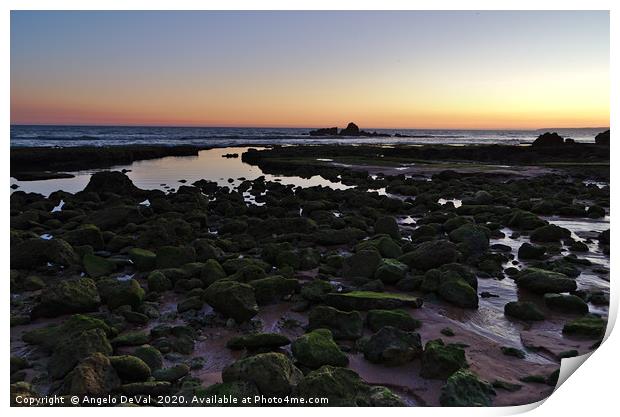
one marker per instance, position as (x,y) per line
(455,201)
(160,173)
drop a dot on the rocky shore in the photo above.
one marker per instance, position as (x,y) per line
(37,163)
(451,289)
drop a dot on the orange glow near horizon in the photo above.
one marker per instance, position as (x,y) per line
(443,70)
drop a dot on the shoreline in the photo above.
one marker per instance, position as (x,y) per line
(38,163)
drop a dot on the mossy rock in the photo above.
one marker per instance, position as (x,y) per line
(439,361)
(541,281)
(523,310)
(117,293)
(158,282)
(400,319)
(68,297)
(50,336)
(194,303)
(393,346)
(343,325)
(174,256)
(429,255)
(212,271)
(69,351)
(259,341)
(131,338)
(387,225)
(371,300)
(87,234)
(33,253)
(362,264)
(457,292)
(386,247)
(93,376)
(233,299)
(549,233)
(390,271)
(96,266)
(151,356)
(273,289)
(273,373)
(566,303)
(529,251)
(318,348)
(143,259)
(465,389)
(315,290)
(130,368)
(589,327)
(471,239)
(171,374)
(344,388)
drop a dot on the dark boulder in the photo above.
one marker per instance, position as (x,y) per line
(548,139)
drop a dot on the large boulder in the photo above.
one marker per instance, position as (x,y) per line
(318,348)
(393,346)
(114,182)
(542,281)
(212,271)
(362,264)
(471,239)
(34,253)
(566,303)
(400,319)
(151,356)
(343,325)
(93,376)
(383,244)
(143,259)
(115,217)
(273,289)
(549,233)
(370,300)
(174,256)
(523,310)
(457,291)
(273,373)
(548,139)
(68,297)
(439,361)
(465,389)
(390,271)
(130,368)
(117,293)
(69,351)
(430,255)
(529,251)
(387,225)
(587,327)
(87,234)
(233,299)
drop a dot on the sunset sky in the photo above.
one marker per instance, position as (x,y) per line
(415,69)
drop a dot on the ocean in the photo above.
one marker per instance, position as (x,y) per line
(28,136)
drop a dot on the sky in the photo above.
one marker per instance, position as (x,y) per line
(381,69)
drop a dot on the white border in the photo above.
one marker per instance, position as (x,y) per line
(592,390)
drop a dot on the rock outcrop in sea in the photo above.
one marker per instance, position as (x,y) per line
(351,130)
